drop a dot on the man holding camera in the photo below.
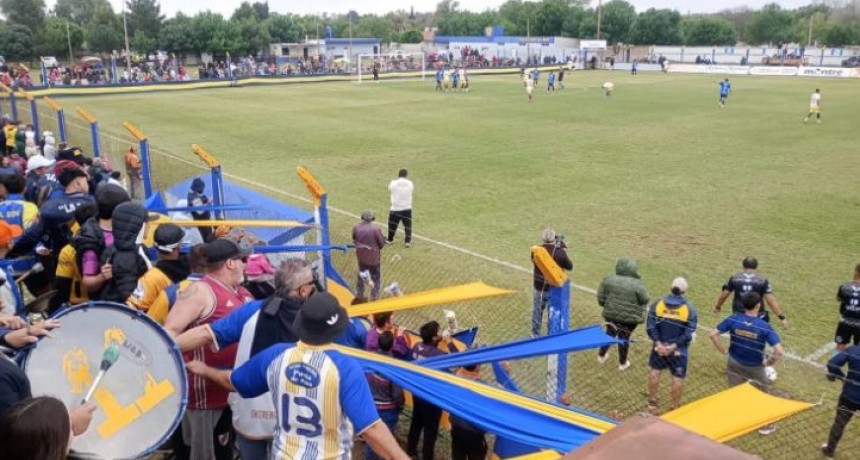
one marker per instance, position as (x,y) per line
(554,244)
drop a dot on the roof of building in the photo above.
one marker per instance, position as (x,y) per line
(354,41)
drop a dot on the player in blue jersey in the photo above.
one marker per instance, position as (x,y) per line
(550,82)
(439,75)
(320,395)
(455,79)
(848,296)
(536,76)
(750,280)
(748,335)
(725,89)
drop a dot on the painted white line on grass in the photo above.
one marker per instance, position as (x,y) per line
(821,351)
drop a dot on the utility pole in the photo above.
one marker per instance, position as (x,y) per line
(125,33)
(809,39)
(599,16)
(69,40)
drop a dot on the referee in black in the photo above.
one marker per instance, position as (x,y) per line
(750,280)
(848,296)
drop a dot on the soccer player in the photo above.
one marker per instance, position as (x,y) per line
(455,79)
(439,74)
(529,83)
(322,396)
(814,106)
(446,79)
(849,311)
(750,280)
(536,76)
(671,323)
(608,87)
(550,82)
(749,334)
(725,89)
(464,80)
(849,400)
(561,77)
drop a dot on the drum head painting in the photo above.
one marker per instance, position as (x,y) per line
(141,397)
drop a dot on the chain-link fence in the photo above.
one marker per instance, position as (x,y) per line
(601,388)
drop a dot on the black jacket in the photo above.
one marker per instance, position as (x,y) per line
(559,255)
(125,255)
(90,237)
(275,323)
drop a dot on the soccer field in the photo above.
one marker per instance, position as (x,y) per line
(658,172)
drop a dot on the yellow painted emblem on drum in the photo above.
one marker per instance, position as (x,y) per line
(118,417)
(114,335)
(76,367)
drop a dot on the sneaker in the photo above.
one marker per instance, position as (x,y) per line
(623,367)
(825,450)
(769,429)
(602,358)
(408,245)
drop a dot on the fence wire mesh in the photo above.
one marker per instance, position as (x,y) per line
(602,389)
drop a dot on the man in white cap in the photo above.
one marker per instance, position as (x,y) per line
(322,396)
(37,179)
(671,323)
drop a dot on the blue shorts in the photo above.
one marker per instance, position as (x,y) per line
(676,364)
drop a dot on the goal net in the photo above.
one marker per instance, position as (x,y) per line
(396,64)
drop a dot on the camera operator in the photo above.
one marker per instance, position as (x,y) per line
(554,244)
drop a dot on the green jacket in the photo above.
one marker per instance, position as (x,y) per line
(623,295)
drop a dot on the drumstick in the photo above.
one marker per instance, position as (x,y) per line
(109,357)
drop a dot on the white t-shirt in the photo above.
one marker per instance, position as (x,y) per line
(401,194)
(815,100)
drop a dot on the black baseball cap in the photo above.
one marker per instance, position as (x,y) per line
(321,319)
(168,237)
(224,249)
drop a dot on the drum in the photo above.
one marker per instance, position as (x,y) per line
(140,399)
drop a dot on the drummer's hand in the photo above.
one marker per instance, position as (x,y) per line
(107,271)
(81,417)
(24,336)
(197,367)
(12,322)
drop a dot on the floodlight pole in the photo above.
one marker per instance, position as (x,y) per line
(69,40)
(599,16)
(125,33)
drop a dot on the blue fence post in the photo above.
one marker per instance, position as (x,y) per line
(218,197)
(558,322)
(35,111)
(61,117)
(321,218)
(94,130)
(13,105)
(143,148)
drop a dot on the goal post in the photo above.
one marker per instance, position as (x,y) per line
(404,63)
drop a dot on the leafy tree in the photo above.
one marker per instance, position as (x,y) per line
(446,7)
(549,17)
(518,16)
(245,12)
(177,35)
(657,27)
(840,35)
(740,18)
(214,34)
(617,21)
(16,41)
(104,32)
(572,22)
(283,28)
(144,16)
(28,13)
(707,32)
(80,12)
(374,27)
(54,40)
(411,36)
(142,43)
(253,36)
(262,9)
(772,24)
(465,23)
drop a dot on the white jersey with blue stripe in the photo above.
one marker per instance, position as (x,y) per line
(321,397)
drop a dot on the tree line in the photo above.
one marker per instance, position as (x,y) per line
(30,29)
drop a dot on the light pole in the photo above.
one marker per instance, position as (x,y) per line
(125,33)
(69,40)
(599,16)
